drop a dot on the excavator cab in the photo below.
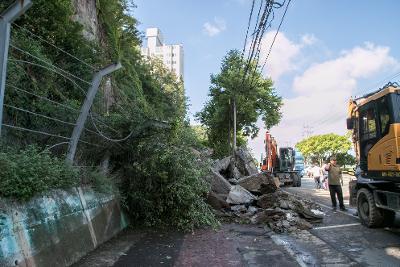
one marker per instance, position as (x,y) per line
(286,159)
(375,120)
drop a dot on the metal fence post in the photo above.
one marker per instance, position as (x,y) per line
(76,134)
(6,18)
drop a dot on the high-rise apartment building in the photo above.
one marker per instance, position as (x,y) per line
(171,55)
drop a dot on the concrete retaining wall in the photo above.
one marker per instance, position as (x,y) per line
(57,229)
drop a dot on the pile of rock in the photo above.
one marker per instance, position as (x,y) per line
(240,192)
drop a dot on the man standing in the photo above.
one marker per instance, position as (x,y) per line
(335,180)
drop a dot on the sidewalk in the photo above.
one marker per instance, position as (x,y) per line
(231,245)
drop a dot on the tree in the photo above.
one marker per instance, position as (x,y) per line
(345,159)
(321,147)
(254,97)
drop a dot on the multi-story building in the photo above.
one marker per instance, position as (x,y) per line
(171,55)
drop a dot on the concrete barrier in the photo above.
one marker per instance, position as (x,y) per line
(58,228)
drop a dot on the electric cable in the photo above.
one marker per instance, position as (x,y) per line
(276,34)
(248,27)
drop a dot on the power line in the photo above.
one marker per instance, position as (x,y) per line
(388,78)
(259,29)
(277,31)
(53,45)
(324,120)
(265,26)
(248,27)
(255,38)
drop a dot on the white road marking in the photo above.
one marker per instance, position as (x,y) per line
(343,212)
(336,226)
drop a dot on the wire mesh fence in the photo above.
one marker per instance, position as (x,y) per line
(44,97)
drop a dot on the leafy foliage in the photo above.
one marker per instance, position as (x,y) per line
(27,172)
(254,97)
(345,159)
(321,147)
(161,178)
(165,186)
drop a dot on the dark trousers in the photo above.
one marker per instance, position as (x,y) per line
(336,189)
(317,181)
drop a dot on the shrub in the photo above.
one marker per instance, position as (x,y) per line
(98,180)
(165,187)
(27,172)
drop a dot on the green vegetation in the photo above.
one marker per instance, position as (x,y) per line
(27,172)
(164,187)
(160,178)
(255,97)
(321,147)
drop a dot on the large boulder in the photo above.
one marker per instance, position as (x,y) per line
(272,185)
(255,182)
(244,162)
(239,195)
(219,184)
(221,165)
(216,201)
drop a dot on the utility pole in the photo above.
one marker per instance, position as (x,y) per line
(6,18)
(229,127)
(234,125)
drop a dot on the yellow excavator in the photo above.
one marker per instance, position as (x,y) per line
(375,121)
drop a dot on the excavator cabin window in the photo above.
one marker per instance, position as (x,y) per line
(368,131)
(368,124)
(384,116)
(374,122)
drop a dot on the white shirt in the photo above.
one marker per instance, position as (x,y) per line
(316,171)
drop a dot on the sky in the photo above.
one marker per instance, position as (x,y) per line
(325,52)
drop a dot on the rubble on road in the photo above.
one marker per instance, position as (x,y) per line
(241,193)
(216,201)
(219,184)
(258,183)
(244,162)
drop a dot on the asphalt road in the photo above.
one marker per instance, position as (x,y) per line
(342,234)
(340,240)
